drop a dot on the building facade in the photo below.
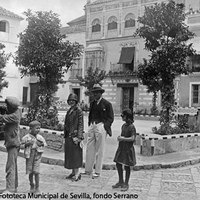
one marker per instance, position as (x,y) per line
(9,29)
(106,34)
(110,45)
(188,93)
(74,32)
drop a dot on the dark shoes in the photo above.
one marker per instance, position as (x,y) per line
(71,176)
(125,187)
(118,185)
(76,178)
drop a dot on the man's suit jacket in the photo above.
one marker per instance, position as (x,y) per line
(106,114)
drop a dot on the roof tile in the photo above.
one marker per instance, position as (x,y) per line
(7,13)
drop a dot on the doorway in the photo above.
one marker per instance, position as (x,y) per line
(77,92)
(127,98)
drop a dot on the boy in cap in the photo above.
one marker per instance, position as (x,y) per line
(11,134)
(33,144)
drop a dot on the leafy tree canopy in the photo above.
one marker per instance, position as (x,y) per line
(93,76)
(162,24)
(44,52)
(165,35)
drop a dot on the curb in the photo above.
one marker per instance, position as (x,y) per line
(153,139)
(59,162)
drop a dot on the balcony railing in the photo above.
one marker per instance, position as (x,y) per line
(118,70)
(119,73)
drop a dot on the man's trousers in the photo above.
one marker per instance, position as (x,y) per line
(11,169)
(95,148)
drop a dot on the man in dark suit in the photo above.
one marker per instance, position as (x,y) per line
(101,117)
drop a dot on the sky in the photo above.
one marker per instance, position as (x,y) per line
(66,9)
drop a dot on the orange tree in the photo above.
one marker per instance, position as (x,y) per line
(45,53)
(165,34)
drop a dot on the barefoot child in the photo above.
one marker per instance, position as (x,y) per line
(33,145)
(125,155)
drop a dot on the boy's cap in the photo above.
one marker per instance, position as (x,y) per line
(34,123)
(12,101)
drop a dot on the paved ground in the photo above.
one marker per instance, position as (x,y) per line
(169,183)
(162,184)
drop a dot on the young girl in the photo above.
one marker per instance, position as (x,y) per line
(125,154)
(33,145)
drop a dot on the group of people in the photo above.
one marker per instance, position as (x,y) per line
(32,143)
(101,117)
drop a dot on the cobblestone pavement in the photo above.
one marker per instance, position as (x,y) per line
(163,184)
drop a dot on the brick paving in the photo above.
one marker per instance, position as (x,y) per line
(161,184)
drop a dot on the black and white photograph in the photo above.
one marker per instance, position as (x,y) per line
(100,99)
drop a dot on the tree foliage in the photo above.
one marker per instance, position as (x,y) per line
(44,52)
(93,76)
(3,60)
(165,34)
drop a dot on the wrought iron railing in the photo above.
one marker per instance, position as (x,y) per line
(119,72)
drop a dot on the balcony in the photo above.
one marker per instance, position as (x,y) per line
(120,73)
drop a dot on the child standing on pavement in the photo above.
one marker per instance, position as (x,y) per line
(125,154)
(33,145)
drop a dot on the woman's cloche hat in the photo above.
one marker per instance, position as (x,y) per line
(72,96)
(97,87)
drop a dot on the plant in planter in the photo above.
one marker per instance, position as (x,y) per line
(165,34)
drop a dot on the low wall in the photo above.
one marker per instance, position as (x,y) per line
(54,139)
(150,146)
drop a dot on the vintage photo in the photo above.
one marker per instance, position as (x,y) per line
(100,99)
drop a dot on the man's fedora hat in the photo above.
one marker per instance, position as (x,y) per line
(97,88)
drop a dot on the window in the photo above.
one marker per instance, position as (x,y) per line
(95,59)
(112,23)
(195,61)
(2,26)
(76,69)
(96,27)
(195,94)
(25,95)
(127,58)
(130,21)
